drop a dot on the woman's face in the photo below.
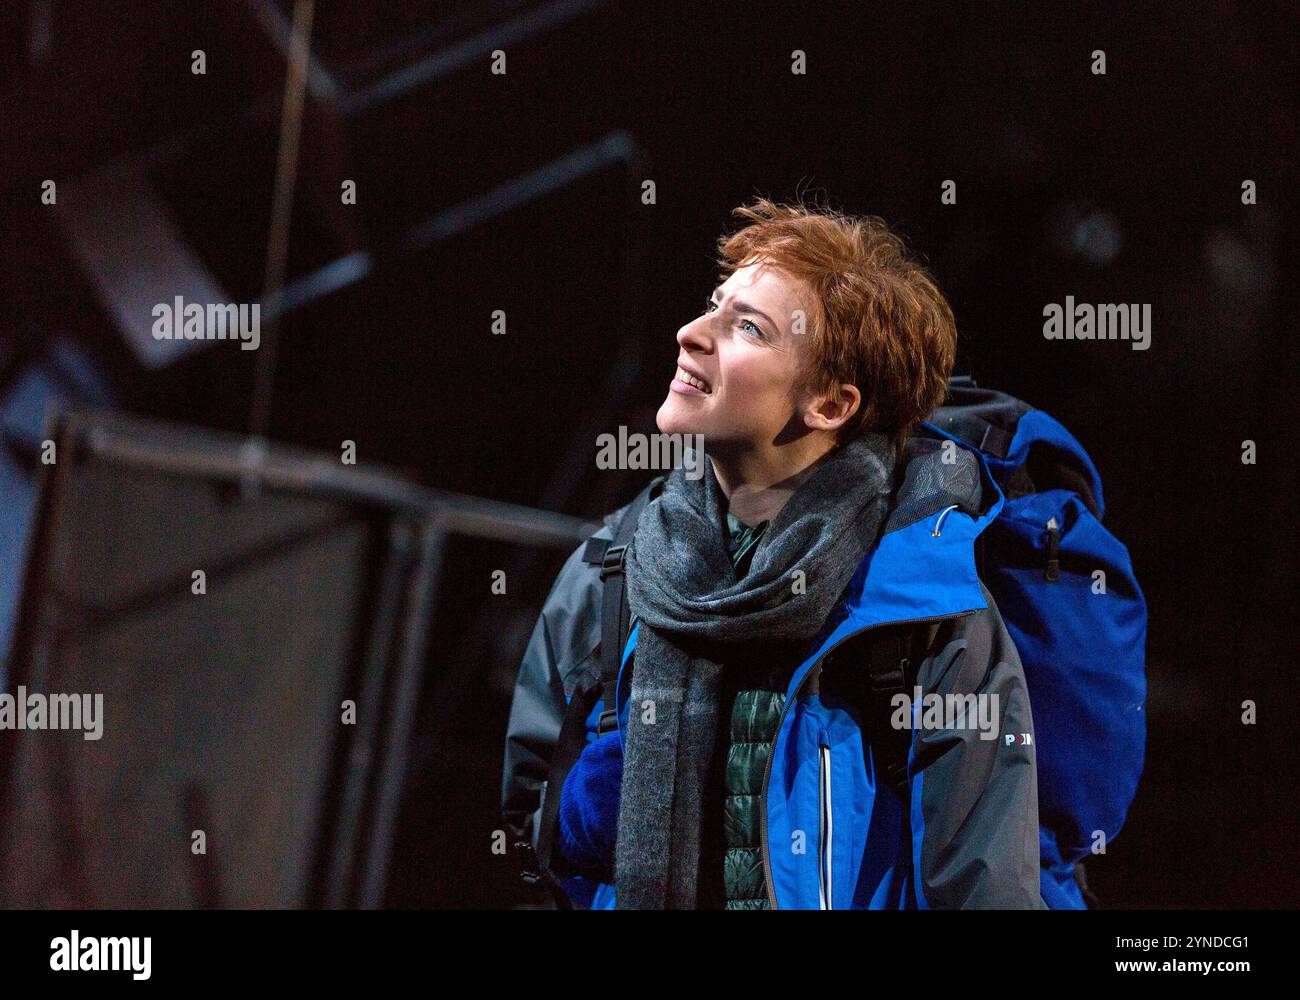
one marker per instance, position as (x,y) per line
(744,348)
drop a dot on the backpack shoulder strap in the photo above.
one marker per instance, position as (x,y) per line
(890,656)
(888,666)
(611,555)
(543,865)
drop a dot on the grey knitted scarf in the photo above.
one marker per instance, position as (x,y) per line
(695,616)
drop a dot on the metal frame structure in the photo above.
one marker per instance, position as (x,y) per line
(355,838)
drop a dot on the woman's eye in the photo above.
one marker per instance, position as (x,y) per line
(748,325)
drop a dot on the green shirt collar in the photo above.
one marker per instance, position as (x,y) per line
(742,539)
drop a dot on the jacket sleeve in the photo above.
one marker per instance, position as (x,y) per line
(975,787)
(561,656)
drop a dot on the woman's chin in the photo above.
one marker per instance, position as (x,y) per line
(670,420)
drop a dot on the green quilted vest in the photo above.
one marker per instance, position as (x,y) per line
(754,717)
(755,713)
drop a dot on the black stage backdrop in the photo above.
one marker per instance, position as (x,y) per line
(1122,187)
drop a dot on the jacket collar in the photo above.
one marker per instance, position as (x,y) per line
(924,564)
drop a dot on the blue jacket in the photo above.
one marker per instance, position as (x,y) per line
(965,832)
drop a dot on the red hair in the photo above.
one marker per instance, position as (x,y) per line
(878,320)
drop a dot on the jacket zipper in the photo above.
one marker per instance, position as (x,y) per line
(826,832)
(767,768)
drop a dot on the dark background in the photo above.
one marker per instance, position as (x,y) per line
(1117,188)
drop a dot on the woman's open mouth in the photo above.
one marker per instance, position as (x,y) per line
(685,382)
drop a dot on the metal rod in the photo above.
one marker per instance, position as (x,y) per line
(365,745)
(277,244)
(219,456)
(400,715)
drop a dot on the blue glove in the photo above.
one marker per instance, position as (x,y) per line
(587,820)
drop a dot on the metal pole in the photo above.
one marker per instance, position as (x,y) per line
(277,244)
(400,715)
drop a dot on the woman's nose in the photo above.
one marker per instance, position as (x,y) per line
(695,335)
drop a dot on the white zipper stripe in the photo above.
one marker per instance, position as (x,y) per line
(821,828)
(827,831)
(765,847)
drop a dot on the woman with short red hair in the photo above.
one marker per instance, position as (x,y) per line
(750,768)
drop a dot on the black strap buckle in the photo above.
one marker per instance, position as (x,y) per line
(530,869)
(613,560)
(892,678)
(607,722)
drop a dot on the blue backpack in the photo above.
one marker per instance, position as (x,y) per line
(1066,591)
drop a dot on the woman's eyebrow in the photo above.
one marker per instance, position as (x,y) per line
(745,307)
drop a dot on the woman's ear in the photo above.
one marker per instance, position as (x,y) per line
(829,412)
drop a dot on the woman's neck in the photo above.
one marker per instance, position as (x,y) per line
(758,485)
